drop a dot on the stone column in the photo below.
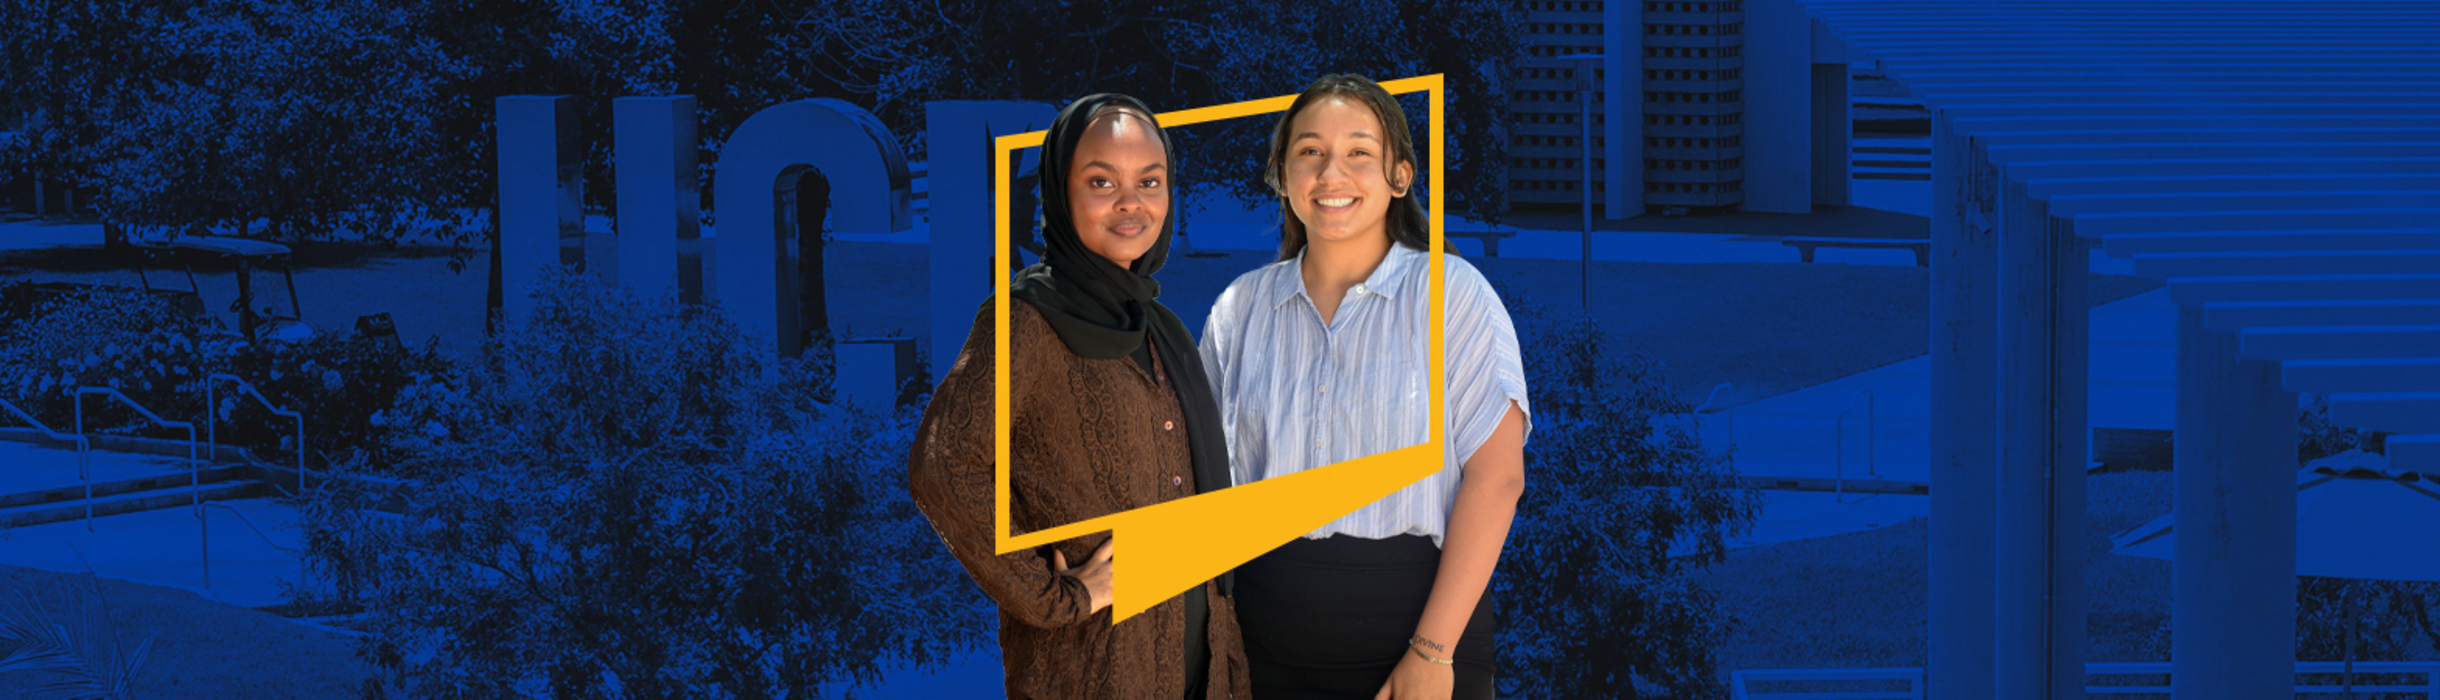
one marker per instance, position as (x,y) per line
(1963,426)
(2232,598)
(542,193)
(660,218)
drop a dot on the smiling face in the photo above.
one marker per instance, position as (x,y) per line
(1118,186)
(1337,175)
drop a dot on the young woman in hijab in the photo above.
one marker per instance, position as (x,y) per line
(1321,358)
(1109,411)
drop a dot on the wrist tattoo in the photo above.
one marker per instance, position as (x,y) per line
(1434,646)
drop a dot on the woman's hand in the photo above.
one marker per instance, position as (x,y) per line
(1095,573)
(1417,679)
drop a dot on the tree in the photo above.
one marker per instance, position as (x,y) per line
(1179,55)
(310,118)
(628,502)
(1274,47)
(374,119)
(1621,504)
(2391,620)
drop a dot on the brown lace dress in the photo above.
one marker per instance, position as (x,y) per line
(1088,438)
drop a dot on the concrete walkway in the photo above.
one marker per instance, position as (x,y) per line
(1798,434)
(38,468)
(160,547)
(166,548)
(31,234)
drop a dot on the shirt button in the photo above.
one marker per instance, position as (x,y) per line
(1175,481)
(1169,425)
(1325,388)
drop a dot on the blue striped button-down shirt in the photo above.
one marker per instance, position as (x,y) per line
(1297,394)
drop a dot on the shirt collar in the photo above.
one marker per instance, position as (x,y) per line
(1383,280)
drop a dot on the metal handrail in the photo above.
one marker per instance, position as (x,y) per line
(84,468)
(1871,442)
(211,417)
(258,532)
(194,470)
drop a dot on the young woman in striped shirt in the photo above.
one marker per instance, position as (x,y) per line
(1320,358)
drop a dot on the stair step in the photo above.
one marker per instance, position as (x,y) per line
(23,516)
(2129,245)
(2338,342)
(2273,200)
(2388,412)
(166,480)
(2204,290)
(2231,316)
(2286,262)
(2253,220)
(2412,374)
(2242,175)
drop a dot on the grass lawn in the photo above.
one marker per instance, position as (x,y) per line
(201,650)
(1857,600)
(1769,328)
(337,281)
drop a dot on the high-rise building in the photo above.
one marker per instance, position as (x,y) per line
(1687,127)
(1694,103)
(1546,148)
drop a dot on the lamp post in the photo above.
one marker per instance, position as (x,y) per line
(1584,65)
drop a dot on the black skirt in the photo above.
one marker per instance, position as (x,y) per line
(1330,618)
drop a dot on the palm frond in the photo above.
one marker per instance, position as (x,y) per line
(32,642)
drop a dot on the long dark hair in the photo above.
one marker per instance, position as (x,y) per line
(1406,223)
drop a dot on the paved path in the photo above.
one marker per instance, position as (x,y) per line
(165,547)
(1797,434)
(29,234)
(162,547)
(25,467)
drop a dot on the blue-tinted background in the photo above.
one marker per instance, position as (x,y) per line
(533,467)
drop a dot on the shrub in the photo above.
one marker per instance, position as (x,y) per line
(74,652)
(104,337)
(628,502)
(2395,620)
(160,358)
(1598,605)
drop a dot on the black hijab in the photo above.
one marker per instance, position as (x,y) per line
(1102,311)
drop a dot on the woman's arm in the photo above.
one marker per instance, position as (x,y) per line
(950,476)
(1469,552)
(1486,369)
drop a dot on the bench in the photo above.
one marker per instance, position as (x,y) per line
(1805,245)
(1490,239)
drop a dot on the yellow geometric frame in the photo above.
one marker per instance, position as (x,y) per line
(1262,515)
